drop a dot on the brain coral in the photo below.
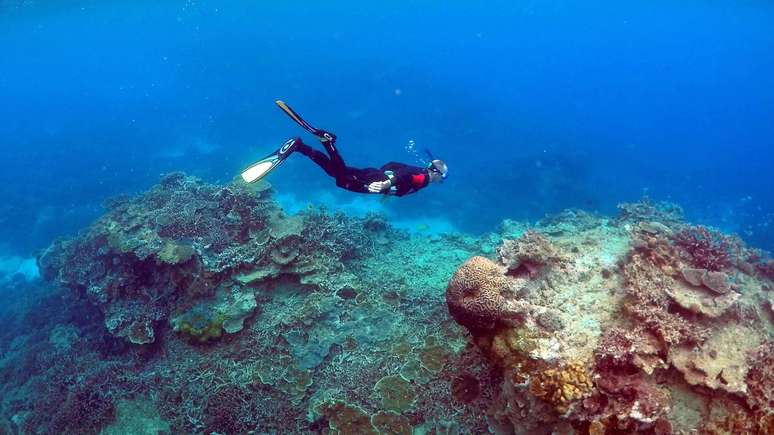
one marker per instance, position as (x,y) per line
(474,294)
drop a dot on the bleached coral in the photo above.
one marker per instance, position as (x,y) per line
(529,254)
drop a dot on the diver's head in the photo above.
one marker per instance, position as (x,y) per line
(437,170)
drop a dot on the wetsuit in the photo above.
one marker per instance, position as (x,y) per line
(405,178)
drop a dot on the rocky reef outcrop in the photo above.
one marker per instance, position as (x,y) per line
(186,253)
(641,323)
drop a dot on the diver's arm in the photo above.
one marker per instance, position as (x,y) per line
(400,180)
(380,186)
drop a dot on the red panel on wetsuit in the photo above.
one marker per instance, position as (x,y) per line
(418,180)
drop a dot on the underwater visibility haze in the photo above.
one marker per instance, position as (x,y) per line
(591,256)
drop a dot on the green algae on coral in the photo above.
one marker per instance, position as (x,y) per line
(199,327)
(391,423)
(175,253)
(208,319)
(395,393)
(434,357)
(413,370)
(346,419)
(137,417)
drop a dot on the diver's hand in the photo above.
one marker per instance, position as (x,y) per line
(379,186)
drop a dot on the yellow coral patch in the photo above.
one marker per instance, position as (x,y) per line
(561,386)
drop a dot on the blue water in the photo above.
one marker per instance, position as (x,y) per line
(536,106)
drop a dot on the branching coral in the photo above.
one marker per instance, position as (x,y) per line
(342,237)
(84,410)
(228,411)
(704,248)
(647,210)
(180,242)
(766,268)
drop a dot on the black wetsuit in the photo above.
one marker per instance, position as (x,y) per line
(405,178)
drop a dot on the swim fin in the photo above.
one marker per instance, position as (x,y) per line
(321,134)
(262,167)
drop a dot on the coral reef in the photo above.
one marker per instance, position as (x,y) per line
(183,242)
(528,254)
(704,248)
(196,308)
(683,320)
(760,380)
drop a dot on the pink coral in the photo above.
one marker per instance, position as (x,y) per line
(628,350)
(625,398)
(705,248)
(760,379)
(648,276)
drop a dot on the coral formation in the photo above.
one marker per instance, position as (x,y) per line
(395,393)
(528,254)
(760,379)
(684,310)
(704,248)
(209,310)
(478,296)
(345,419)
(561,386)
(391,423)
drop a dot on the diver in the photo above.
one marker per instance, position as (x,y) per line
(392,178)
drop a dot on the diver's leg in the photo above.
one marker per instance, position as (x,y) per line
(319,158)
(333,152)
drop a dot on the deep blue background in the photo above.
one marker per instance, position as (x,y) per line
(536,106)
